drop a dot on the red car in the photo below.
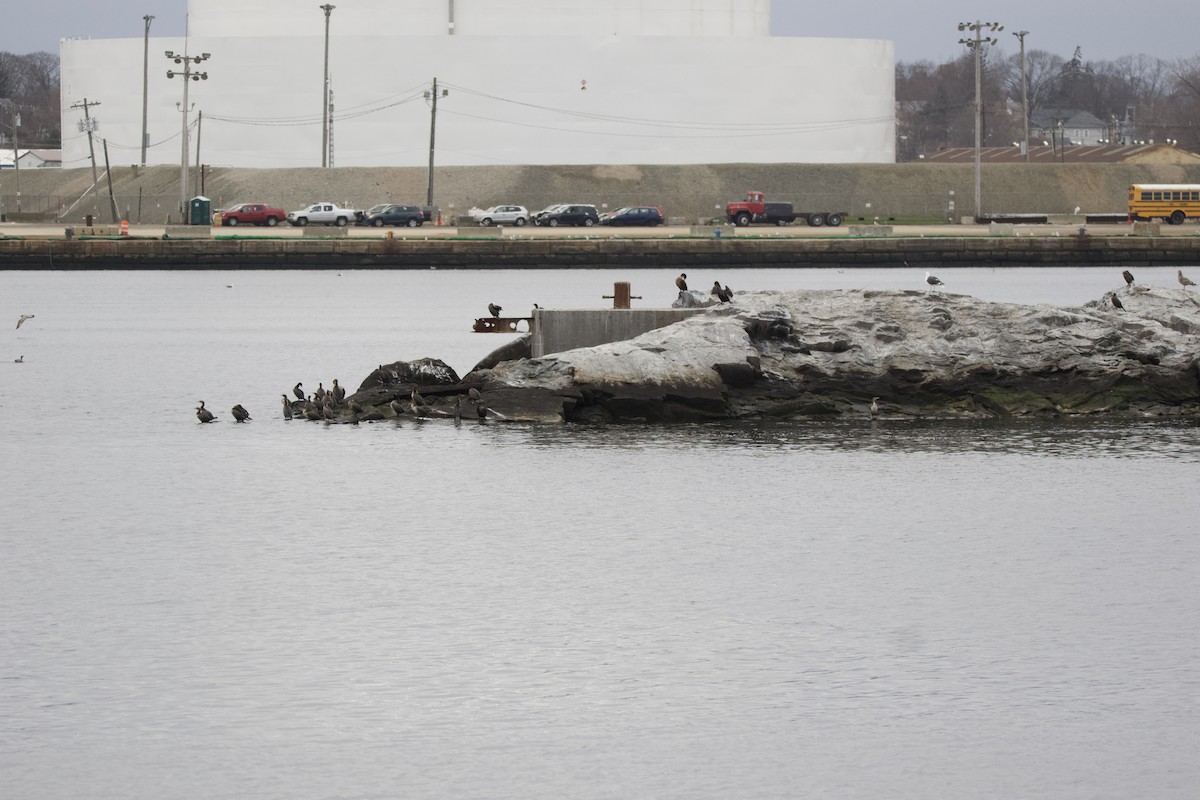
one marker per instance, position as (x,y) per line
(253,214)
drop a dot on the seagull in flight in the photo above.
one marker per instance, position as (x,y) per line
(21,320)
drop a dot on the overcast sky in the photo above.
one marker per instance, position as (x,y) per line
(921,29)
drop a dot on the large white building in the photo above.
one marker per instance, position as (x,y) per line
(525,82)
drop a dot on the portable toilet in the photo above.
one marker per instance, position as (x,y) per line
(201,211)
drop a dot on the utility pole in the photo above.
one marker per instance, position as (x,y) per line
(89,125)
(16,125)
(327,8)
(977,43)
(433,98)
(188,76)
(1024,95)
(145,83)
(199,125)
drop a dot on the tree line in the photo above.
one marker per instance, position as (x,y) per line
(29,92)
(1139,98)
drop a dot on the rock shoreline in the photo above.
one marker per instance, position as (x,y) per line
(805,354)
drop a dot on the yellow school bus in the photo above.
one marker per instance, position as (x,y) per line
(1173,202)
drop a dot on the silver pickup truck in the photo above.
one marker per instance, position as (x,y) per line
(323,213)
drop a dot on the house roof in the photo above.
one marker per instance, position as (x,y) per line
(1071,118)
(1071,154)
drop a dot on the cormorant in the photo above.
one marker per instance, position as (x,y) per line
(681,281)
(311,412)
(1184,280)
(494,309)
(933,280)
(296,390)
(728,293)
(417,403)
(397,407)
(21,320)
(19,360)
(319,394)
(240,414)
(474,394)
(1128,276)
(203,414)
(1116,301)
(287,407)
(339,392)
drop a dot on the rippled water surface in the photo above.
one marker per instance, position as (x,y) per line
(908,609)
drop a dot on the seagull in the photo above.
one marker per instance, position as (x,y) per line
(296,390)
(23,317)
(681,281)
(874,407)
(1128,276)
(933,280)
(287,407)
(1184,280)
(1116,301)
(20,360)
(203,414)
(240,414)
(494,309)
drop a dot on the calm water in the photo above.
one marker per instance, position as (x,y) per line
(424,610)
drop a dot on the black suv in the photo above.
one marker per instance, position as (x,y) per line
(572,215)
(412,216)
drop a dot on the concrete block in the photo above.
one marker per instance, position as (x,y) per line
(186,232)
(870,230)
(556,331)
(325,232)
(1000,229)
(1146,228)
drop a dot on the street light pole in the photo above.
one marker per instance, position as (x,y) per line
(977,44)
(1024,95)
(145,83)
(327,8)
(188,76)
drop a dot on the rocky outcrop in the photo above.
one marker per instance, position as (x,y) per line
(826,353)
(810,353)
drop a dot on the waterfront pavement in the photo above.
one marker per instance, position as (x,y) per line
(58,230)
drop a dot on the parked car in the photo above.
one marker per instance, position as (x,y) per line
(573,215)
(323,213)
(500,215)
(539,218)
(378,216)
(252,214)
(640,216)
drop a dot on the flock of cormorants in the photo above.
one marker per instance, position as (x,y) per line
(723,293)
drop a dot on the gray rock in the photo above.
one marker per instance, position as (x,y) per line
(807,353)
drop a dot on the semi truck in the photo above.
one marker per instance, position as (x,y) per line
(755,208)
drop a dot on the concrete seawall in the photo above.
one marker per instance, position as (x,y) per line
(841,252)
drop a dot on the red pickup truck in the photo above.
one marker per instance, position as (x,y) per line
(253,214)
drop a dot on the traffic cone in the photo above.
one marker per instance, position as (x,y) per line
(124,227)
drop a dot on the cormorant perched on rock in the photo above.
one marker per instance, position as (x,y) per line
(933,280)
(203,414)
(311,412)
(474,394)
(22,318)
(339,392)
(728,293)
(1184,280)
(287,407)
(1128,276)
(355,408)
(296,390)
(319,394)
(874,407)
(681,282)
(397,407)
(240,414)
(723,295)
(418,404)
(494,309)
(1116,301)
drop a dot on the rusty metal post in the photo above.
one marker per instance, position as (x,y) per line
(621,293)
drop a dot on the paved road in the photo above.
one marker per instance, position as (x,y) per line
(530,232)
